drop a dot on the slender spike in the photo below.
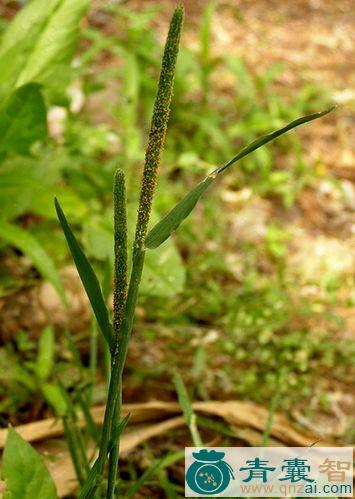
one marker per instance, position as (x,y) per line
(120,231)
(119,301)
(159,125)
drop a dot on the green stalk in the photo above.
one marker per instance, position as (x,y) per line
(118,361)
(273,406)
(93,356)
(73,450)
(157,133)
(114,453)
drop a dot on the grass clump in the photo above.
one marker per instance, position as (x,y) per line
(124,306)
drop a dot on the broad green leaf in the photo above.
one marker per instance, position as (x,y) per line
(27,185)
(42,205)
(163,229)
(45,355)
(98,238)
(16,193)
(39,42)
(13,372)
(24,471)
(88,278)
(54,397)
(22,191)
(23,119)
(164,273)
(28,244)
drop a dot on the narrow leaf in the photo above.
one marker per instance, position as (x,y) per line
(76,359)
(255,144)
(163,229)
(117,432)
(184,400)
(187,410)
(90,423)
(45,356)
(72,421)
(28,244)
(71,440)
(164,462)
(24,471)
(54,398)
(88,278)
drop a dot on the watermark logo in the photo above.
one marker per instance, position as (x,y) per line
(209,474)
(269,472)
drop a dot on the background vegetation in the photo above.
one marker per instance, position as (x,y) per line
(253,297)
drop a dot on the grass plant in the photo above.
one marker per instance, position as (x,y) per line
(117,335)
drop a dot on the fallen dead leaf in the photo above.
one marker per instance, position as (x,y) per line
(246,419)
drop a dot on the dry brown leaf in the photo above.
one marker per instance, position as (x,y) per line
(246,418)
(251,415)
(53,427)
(233,412)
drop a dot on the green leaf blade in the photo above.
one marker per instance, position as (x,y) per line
(260,141)
(23,119)
(39,42)
(88,278)
(183,397)
(166,461)
(164,274)
(163,229)
(187,409)
(24,471)
(45,356)
(28,244)
(117,431)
